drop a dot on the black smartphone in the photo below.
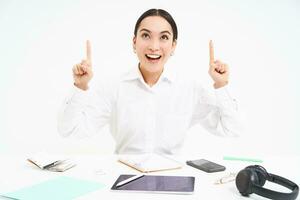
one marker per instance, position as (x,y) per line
(206,165)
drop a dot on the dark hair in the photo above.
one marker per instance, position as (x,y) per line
(158,12)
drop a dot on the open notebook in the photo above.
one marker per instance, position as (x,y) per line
(51,162)
(149,162)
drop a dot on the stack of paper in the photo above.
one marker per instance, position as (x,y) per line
(149,162)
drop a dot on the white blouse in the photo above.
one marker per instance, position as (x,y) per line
(145,119)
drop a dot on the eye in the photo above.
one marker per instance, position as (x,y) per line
(145,35)
(164,37)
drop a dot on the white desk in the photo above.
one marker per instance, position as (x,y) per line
(16,172)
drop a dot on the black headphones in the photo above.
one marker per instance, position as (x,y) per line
(252,179)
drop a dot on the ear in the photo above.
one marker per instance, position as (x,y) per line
(174,45)
(134,42)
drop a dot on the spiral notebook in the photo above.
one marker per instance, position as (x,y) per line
(146,163)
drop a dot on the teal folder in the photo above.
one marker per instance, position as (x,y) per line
(60,188)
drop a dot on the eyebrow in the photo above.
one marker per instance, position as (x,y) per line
(168,32)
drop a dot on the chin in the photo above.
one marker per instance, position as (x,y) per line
(153,67)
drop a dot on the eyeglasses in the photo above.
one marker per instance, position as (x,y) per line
(226,179)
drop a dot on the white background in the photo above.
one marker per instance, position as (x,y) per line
(41,41)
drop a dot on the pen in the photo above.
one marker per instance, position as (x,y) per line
(51,164)
(242,159)
(129,180)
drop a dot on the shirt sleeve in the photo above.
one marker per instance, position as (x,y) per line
(218,113)
(83,113)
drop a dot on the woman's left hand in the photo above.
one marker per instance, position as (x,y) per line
(218,70)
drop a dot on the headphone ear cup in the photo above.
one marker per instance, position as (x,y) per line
(261,173)
(244,181)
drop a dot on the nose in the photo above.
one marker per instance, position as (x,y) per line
(154,45)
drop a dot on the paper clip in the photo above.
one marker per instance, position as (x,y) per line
(226,179)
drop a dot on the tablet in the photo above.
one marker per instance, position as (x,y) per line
(157,184)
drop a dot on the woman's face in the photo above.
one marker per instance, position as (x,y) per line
(154,43)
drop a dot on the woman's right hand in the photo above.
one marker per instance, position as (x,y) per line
(82,72)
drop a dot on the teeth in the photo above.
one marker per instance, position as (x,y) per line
(153,56)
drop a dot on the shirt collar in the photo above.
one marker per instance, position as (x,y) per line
(135,73)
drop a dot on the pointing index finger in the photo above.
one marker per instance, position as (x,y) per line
(88,51)
(211,52)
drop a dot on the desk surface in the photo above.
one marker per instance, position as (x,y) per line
(16,173)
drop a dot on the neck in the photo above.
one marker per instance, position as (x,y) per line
(150,78)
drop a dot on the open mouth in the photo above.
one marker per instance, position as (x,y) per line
(153,57)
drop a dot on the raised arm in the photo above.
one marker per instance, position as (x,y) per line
(84,111)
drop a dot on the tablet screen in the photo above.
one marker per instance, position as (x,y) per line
(161,184)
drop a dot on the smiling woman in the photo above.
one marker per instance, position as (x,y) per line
(150,108)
